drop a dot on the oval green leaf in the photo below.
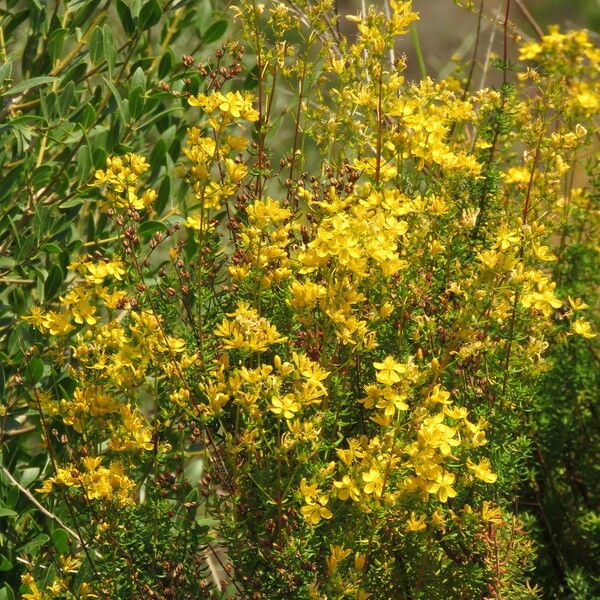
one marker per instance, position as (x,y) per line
(215,32)
(53,282)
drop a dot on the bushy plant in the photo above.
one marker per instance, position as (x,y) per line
(329,343)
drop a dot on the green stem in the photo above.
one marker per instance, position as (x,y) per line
(414,34)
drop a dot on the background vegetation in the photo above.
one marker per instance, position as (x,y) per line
(82,81)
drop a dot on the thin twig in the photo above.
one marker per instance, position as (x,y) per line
(505,44)
(475,50)
(43,510)
(388,16)
(529,17)
(488,53)
(15,281)
(414,34)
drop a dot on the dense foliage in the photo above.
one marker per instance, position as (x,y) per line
(279,323)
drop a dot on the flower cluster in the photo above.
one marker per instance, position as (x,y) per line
(344,346)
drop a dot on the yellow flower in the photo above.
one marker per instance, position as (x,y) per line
(389,371)
(374,481)
(529,51)
(96,272)
(346,488)
(118,183)
(391,401)
(34,592)
(491,514)
(114,299)
(575,303)
(437,519)
(315,510)
(287,406)
(336,556)
(506,239)
(349,454)
(435,434)
(308,490)
(181,397)
(583,328)
(416,523)
(517,175)
(84,591)
(543,253)
(442,486)
(360,562)
(458,412)
(483,470)
(193,222)
(237,142)
(543,300)
(36,318)
(439,396)
(58,323)
(235,170)
(247,330)
(232,104)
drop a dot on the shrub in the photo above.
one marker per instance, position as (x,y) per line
(307,353)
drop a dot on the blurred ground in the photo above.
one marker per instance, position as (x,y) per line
(446,29)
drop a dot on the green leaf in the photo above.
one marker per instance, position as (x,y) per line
(125,17)
(207,521)
(5,564)
(6,593)
(100,155)
(138,79)
(6,512)
(26,244)
(41,176)
(158,116)
(17,339)
(17,19)
(164,193)
(150,227)
(135,7)
(66,97)
(150,14)
(215,32)
(157,158)
(84,13)
(109,48)
(86,116)
(166,63)
(60,540)
(30,83)
(75,73)
(53,282)
(5,70)
(36,542)
(28,475)
(84,162)
(7,262)
(97,46)
(56,41)
(118,99)
(136,102)
(2,381)
(34,370)
(9,179)
(71,203)
(42,218)
(51,248)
